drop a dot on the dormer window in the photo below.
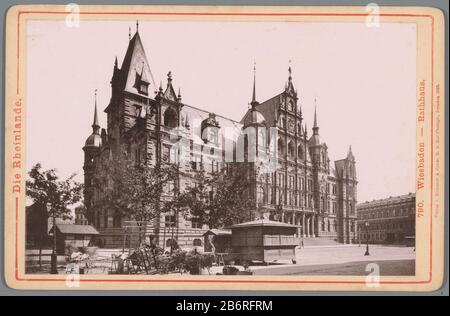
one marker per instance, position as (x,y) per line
(141,84)
(213,135)
(210,129)
(143,88)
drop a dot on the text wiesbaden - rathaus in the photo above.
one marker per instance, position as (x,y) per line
(303,189)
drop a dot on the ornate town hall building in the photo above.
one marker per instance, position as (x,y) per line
(304,188)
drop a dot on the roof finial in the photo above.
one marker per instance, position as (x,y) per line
(116,64)
(315,127)
(290,70)
(95,126)
(254,102)
(129,33)
(137,26)
(179,94)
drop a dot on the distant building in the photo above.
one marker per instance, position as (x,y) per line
(390,220)
(80,217)
(36,226)
(306,189)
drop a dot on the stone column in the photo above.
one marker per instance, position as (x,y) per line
(308,222)
(313,223)
(303,225)
(282,216)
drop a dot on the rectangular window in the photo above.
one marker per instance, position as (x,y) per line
(195,223)
(169,221)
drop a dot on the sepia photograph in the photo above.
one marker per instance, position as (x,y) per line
(220,148)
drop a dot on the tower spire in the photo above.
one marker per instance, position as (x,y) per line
(254,102)
(315,127)
(95,125)
(290,70)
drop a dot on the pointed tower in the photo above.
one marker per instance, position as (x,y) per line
(92,148)
(315,126)
(253,117)
(132,86)
(254,103)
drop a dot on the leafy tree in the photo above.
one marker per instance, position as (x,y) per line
(46,190)
(232,202)
(135,191)
(218,199)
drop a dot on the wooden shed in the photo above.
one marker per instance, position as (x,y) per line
(217,240)
(264,240)
(73,235)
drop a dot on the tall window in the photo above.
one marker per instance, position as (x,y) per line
(300,152)
(282,122)
(213,135)
(166,153)
(261,138)
(281,148)
(291,150)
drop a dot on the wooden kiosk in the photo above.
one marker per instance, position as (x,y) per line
(217,240)
(264,240)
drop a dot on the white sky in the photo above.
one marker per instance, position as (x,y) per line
(364,80)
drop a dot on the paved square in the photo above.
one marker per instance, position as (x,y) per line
(346,260)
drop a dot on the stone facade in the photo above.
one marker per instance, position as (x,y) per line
(303,187)
(390,220)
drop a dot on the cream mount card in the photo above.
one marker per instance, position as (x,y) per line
(224,148)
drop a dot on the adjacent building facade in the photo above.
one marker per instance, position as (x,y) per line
(293,178)
(391,220)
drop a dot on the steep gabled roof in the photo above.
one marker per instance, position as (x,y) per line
(135,64)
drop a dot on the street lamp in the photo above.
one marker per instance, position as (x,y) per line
(54,256)
(367,239)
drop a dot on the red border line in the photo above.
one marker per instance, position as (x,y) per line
(17,276)
(432,148)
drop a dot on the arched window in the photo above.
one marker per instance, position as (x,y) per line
(261,137)
(170,118)
(300,152)
(282,122)
(281,149)
(291,149)
(291,106)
